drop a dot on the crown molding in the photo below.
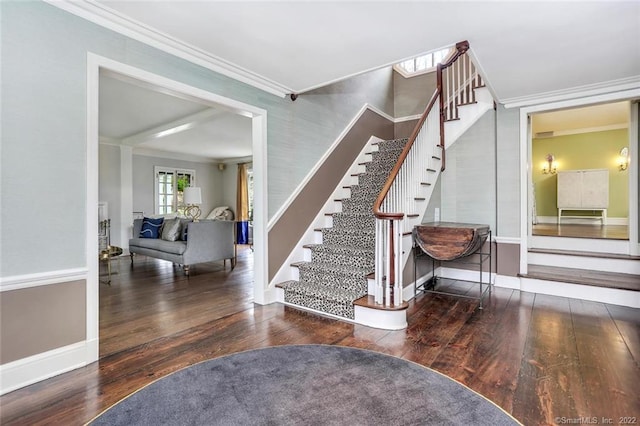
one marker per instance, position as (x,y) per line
(112,20)
(601,88)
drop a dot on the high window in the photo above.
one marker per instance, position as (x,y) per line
(422,64)
(169,189)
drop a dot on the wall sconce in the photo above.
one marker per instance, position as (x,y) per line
(623,160)
(550,166)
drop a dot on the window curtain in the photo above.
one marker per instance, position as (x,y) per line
(242,206)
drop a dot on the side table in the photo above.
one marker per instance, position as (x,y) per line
(106,256)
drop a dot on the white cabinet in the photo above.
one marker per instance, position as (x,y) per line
(584,190)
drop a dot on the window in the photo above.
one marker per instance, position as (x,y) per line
(422,64)
(169,187)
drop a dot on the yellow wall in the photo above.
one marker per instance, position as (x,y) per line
(597,150)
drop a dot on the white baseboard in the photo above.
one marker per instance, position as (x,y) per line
(466,275)
(575,291)
(612,296)
(23,372)
(409,291)
(507,282)
(382,319)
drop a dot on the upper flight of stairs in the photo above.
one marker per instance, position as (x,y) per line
(336,274)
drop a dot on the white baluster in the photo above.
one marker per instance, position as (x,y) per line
(397,291)
(379,268)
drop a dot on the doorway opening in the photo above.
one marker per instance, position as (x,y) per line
(185,107)
(580,177)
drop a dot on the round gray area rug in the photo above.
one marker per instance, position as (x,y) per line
(305,385)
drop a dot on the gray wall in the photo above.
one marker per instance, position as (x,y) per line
(38,319)
(468,183)
(412,94)
(208,178)
(44,54)
(43,174)
(508,173)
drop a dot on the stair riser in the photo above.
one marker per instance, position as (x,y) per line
(384,157)
(585,262)
(344,309)
(362,240)
(362,206)
(333,279)
(353,221)
(356,260)
(380,166)
(362,192)
(396,144)
(372,182)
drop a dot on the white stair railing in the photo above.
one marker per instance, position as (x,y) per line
(424,152)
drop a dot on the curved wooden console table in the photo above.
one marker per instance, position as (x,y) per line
(447,241)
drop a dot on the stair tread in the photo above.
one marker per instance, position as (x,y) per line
(338,247)
(334,268)
(368,301)
(351,230)
(585,277)
(316,289)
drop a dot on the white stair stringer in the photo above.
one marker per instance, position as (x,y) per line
(323,218)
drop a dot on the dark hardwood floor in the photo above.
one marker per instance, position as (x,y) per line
(545,359)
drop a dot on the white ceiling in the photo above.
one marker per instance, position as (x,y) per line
(524,49)
(136,115)
(579,120)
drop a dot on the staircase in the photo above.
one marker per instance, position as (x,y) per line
(335,277)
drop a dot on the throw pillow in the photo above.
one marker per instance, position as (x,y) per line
(151,227)
(217,212)
(184,231)
(171,229)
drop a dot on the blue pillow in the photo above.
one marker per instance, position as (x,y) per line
(151,227)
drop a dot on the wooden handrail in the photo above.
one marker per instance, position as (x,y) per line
(461,49)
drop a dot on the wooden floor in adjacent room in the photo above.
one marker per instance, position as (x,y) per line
(544,359)
(576,230)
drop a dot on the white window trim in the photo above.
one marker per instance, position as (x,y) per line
(407,74)
(156,177)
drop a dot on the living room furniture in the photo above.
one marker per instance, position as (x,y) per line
(583,190)
(106,252)
(203,241)
(452,241)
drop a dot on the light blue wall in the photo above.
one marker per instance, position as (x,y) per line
(43,177)
(468,183)
(208,178)
(508,173)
